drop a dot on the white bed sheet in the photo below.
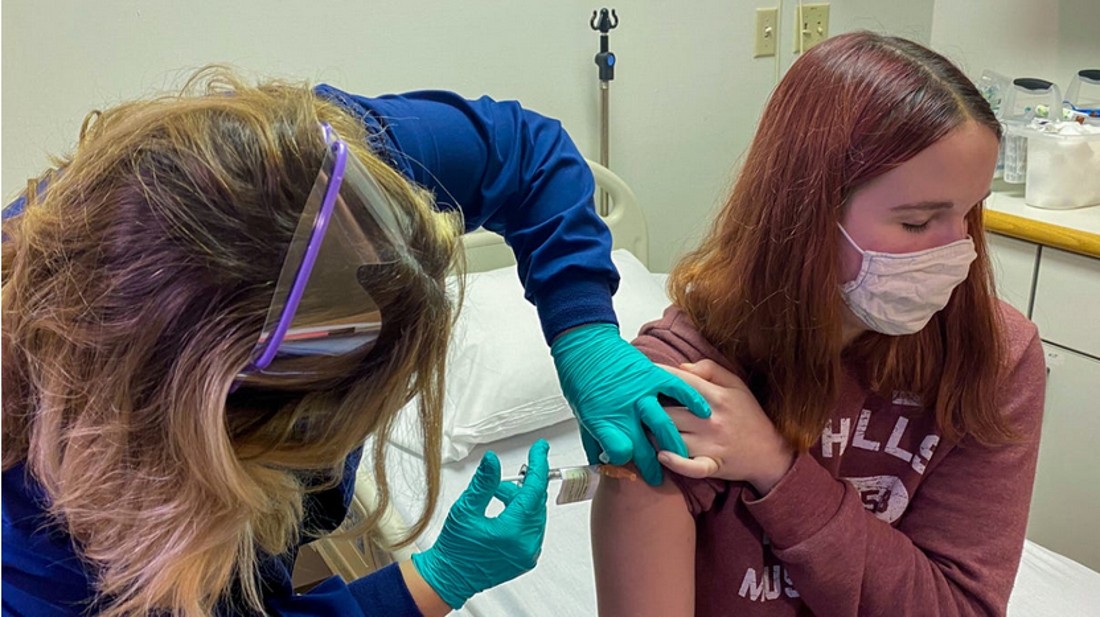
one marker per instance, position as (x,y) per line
(562,585)
(1052,584)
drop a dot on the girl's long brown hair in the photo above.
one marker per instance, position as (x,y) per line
(134,288)
(764,285)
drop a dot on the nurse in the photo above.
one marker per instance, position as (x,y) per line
(219,298)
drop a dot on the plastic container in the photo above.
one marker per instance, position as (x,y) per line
(1063,166)
(993,87)
(1083,93)
(1018,109)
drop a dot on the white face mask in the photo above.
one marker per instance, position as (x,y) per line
(898,293)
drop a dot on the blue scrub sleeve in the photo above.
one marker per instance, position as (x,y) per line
(513,172)
(382,593)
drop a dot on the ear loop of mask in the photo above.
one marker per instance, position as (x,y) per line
(849,239)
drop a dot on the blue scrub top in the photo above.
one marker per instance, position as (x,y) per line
(506,169)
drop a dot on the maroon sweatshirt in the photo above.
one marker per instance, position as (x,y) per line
(882,516)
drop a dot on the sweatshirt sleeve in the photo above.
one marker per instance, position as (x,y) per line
(954,552)
(516,173)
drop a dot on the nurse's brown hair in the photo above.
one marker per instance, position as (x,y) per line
(764,285)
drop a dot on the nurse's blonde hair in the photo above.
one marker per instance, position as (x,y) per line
(134,288)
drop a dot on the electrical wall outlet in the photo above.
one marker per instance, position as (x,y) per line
(767,31)
(811,25)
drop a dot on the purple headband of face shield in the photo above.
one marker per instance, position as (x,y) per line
(319,306)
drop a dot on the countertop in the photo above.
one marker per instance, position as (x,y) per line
(1077,231)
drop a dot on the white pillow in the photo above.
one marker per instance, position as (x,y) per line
(500,375)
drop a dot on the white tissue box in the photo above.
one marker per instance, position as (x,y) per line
(1063,169)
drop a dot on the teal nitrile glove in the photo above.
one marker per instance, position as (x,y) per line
(475,552)
(613,390)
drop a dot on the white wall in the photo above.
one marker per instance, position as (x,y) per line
(1019,38)
(684,103)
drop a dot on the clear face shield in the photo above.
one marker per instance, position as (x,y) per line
(321,305)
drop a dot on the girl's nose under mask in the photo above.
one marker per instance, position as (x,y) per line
(898,293)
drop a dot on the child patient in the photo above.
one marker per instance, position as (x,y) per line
(876,410)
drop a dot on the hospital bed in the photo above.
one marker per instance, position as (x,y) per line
(502,395)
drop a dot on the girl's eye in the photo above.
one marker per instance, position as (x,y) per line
(911,228)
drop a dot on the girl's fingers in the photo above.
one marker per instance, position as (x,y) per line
(686,421)
(714,373)
(698,467)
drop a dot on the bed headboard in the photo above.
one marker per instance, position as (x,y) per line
(486,250)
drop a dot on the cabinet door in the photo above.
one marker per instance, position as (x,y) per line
(1066,503)
(1014,264)
(1067,301)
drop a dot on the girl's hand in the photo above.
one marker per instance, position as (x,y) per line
(738,442)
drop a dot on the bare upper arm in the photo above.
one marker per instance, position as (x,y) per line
(643,547)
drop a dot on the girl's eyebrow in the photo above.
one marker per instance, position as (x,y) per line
(933,205)
(926,205)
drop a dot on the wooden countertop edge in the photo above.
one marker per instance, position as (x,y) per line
(1047,234)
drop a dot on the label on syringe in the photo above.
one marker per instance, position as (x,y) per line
(578,484)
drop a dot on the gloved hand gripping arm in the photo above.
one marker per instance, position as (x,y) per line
(612,388)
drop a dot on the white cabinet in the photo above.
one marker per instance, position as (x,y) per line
(1065,507)
(1014,266)
(1067,301)
(1060,292)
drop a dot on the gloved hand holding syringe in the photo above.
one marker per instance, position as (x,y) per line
(578,483)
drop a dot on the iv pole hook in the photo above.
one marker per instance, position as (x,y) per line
(605,22)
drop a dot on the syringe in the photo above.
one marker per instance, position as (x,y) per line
(578,483)
(556,473)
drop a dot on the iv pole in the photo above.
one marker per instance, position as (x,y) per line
(605,60)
